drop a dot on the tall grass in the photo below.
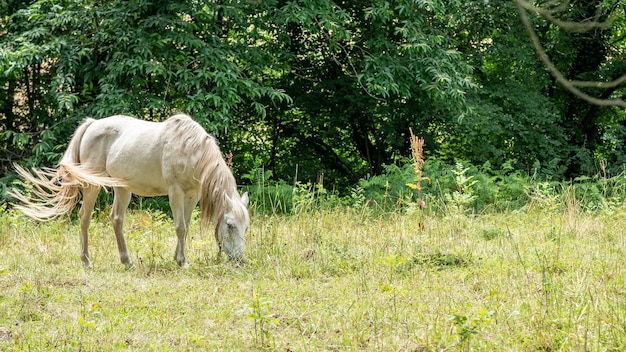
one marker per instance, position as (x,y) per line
(548,276)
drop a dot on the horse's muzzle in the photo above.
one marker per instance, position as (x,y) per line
(238,259)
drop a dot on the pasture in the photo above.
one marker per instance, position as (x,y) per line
(340,279)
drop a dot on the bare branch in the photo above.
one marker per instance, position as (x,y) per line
(548,14)
(603,85)
(523,7)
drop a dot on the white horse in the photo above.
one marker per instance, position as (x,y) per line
(175,158)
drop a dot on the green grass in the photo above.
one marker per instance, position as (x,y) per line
(339,279)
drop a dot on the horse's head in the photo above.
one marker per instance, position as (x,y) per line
(231,228)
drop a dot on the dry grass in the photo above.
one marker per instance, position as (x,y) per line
(323,280)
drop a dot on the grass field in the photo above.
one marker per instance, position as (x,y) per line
(337,280)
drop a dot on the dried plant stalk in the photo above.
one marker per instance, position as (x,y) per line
(417,150)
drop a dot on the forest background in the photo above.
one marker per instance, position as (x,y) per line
(325,92)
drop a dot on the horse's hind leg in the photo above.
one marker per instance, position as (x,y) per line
(121,199)
(90,194)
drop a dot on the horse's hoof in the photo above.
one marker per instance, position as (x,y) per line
(87,265)
(125,259)
(182,262)
(86,261)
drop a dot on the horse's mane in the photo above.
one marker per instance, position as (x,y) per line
(211,170)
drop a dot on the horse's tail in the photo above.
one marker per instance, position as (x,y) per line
(55,191)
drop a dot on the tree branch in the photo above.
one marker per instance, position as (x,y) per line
(548,14)
(523,7)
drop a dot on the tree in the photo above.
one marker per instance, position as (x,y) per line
(592,17)
(360,74)
(585,45)
(522,114)
(62,60)
(321,87)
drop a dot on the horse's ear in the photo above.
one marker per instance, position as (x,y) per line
(229,202)
(245,199)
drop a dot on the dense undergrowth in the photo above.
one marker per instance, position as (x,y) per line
(446,188)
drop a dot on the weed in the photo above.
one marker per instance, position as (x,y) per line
(304,197)
(466,327)
(460,199)
(258,311)
(356,198)
(492,233)
(417,151)
(442,260)
(145,238)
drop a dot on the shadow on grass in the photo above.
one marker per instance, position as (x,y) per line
(441,260)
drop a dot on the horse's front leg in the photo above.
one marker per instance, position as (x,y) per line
(90,194)
(182,206)
(121,199)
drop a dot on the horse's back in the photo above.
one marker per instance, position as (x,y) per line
(118,136)
(126,148)
(150,156)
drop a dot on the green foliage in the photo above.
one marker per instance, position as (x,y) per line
(521,113)
(457,189)
(64,60)
(451,187)
(466,327)
(258,312)
(469,188)
(388,189)
(463,195)
(352,66)
(511,125)
(307,88)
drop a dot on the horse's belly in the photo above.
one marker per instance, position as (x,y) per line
(141,179)
(145,190)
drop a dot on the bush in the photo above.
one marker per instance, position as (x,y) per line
(445,188)
(449,185)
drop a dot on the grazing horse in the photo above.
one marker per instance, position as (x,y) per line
(175,158)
